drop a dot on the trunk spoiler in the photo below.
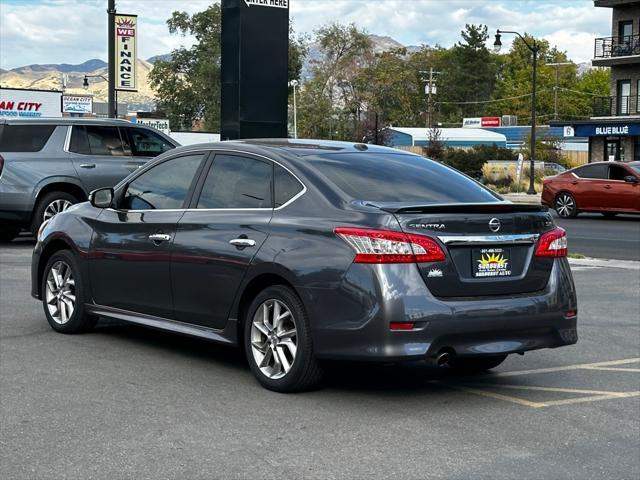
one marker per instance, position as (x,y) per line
(498,207)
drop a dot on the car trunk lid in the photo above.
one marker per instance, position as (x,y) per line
(489,247)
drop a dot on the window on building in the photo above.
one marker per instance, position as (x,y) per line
(622,100)
(625,32)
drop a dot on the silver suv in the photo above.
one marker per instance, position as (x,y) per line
(47,165)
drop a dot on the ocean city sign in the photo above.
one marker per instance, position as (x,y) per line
(126,46)
(268,3)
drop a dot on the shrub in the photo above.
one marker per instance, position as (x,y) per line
(471,161)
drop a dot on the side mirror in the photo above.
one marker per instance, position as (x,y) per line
(101,198)
(631,179)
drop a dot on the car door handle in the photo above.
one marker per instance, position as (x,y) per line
(575,182)
(87,165)
(608,187)
(243,242)
(160,237)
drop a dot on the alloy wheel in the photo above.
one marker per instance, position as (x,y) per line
(274,338)
(565,205)
(55,207)
(61,292)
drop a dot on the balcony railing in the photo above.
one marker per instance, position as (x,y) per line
(615,106)
(611,47)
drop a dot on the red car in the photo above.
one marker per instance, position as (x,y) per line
(606,187)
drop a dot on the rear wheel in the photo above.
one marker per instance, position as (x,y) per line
(49,205)
(8,233)
(63,295)
(565,205)
(277,341)
(476,364)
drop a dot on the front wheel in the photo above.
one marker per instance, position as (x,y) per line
(476,364)
(63,295)
(565,206)
(277,340)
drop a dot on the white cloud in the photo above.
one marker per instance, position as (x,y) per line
(72,31)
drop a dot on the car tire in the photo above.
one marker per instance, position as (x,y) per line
(49,205)
(280,351)
(476,364)
(8,233)
(565,205)
(609,214)
(63,295)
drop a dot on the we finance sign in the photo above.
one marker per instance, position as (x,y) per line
(126,52)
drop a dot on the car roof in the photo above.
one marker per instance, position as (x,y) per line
(64,121)
(295,148)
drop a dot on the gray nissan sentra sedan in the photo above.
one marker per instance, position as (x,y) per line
(301,251)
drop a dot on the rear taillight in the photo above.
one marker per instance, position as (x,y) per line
(386,246)
(552,244)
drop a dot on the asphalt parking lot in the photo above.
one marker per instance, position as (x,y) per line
(126,402)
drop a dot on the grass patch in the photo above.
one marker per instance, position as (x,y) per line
(576,255)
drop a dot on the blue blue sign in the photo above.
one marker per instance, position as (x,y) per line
(607,129)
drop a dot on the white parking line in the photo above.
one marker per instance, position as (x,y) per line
(479,388)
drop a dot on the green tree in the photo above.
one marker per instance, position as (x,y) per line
(188,84)
(331,102)
(467,74)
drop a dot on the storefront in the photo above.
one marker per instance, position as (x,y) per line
(609,140)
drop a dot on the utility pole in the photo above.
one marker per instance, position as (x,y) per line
(432,91)
(111,27)
(555,88)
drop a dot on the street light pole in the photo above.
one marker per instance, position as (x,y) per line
(294,84)
(535,49)
(111,26)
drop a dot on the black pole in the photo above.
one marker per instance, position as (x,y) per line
(376,135)
(532,188)
(111,26)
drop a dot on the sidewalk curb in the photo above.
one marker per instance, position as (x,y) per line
(603,262)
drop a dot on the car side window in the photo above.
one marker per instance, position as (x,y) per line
(592,171)
(616,172)
(145,143)
(285,186)
(164,186)
(98,140)
(237,182)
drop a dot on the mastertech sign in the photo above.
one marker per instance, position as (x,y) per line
(126,46)
(18,103)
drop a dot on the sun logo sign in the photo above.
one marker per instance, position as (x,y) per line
(492,262)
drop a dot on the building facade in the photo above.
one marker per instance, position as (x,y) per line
(614,128)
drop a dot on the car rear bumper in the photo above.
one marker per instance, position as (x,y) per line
(371,297)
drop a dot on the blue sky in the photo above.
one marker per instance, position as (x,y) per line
(72,31)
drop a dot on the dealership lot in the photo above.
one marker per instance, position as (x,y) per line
(126,402)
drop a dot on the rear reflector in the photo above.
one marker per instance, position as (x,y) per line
(1,164)
(386,246)
(402,325)
(570,314)
(552,244)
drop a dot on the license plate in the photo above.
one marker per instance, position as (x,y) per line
(491,262)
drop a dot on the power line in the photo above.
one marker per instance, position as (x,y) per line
(491,101)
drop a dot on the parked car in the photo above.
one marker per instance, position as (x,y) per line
(606,187)
(47,165)
(302,251)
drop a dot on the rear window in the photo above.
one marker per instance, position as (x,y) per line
(24,138)
(399,178)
